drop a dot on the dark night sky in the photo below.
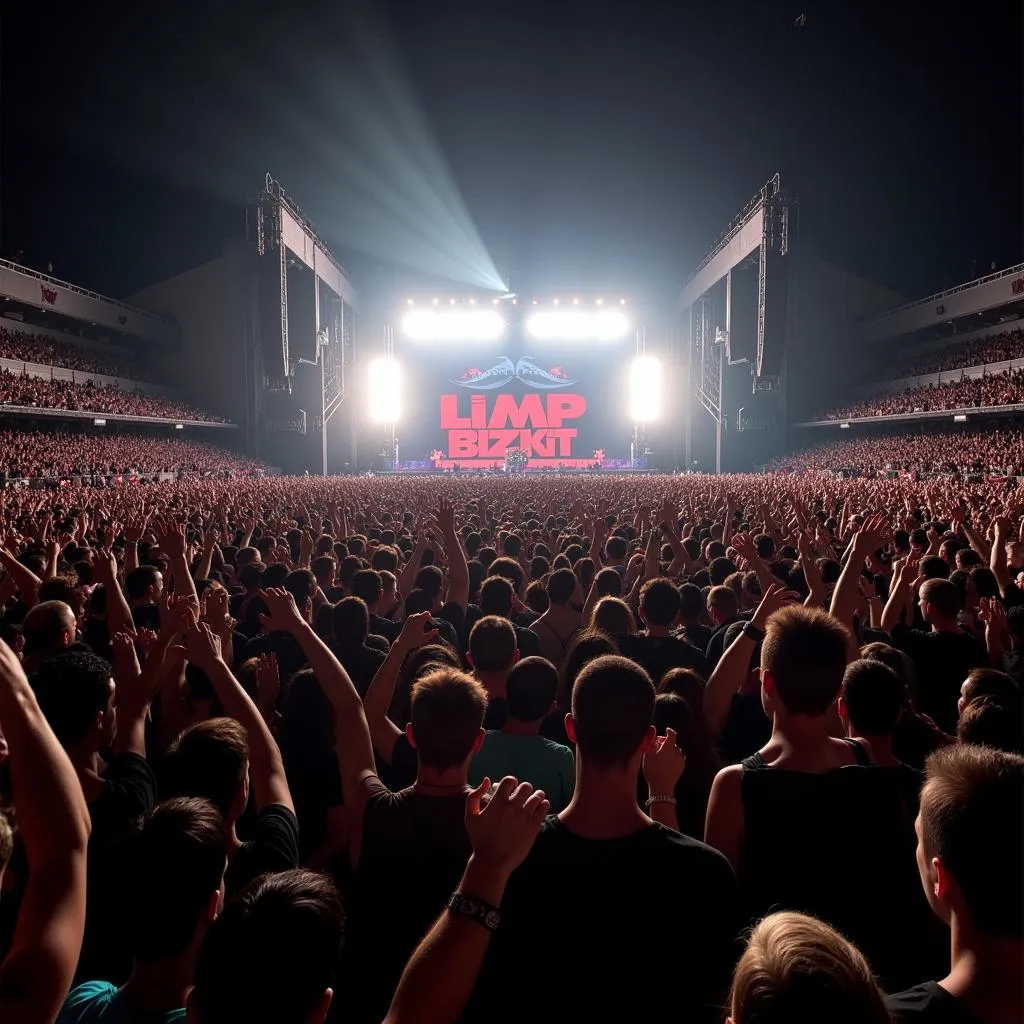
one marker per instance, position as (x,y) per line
(602,144)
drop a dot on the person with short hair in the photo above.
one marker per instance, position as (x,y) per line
(49,629)
(796,968)
(809,806)
(970,847)
(619,865)
(518,749)
(272,954)
(177,884)
(656,650)
(993,722)
(556,627)
(492,653)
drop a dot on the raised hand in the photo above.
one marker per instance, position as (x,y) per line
(417,631)
(284,615)
(503,828)
(664,763)
(202,646)
(775,597)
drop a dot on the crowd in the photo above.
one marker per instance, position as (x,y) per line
(995,348)
(997,450)
(439,750)
(62,454)
(1005,388)
(32,347)
(42,393)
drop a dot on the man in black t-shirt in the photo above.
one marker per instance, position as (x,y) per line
(656,650)
(600,872)
(970,850)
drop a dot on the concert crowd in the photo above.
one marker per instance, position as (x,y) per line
(995,348)
(466,749)
(33,347)
(1005,388)
(42,393)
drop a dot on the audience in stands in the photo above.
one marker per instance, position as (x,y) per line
(42,349)
(996,348)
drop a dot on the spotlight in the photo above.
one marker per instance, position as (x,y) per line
(575,302)
(435,301)
(600,302)
(577,325)
(453,325)
(622,302)
(408,302)
(645,389)
(556,302)
(384,385)
(451,302)
(472,302)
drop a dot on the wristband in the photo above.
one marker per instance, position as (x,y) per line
(752,632)
(475,909)
(661,800)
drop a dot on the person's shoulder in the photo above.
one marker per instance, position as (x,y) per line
(929,1003)
(87,1002)
(685,848)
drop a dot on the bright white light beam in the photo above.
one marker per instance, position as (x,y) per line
(453,325)
(578,325)
(384,390)
(645,389)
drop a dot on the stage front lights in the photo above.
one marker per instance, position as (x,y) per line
(384,390)
(645,389)
(453,325)
(578,325)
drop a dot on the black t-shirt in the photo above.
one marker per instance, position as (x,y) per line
(942,661)
(129,790)
(271,845)
(361,664)
(929,1003)
(658,654)
(716,645)
(698,635)
(384,627)
(400,772)
(746,728)
(414,850)
(586,920)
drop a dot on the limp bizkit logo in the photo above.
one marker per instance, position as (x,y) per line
(542,426)
(504,371)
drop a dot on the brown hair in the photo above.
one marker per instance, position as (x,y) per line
(612,615)
(447,713)
(971,819)
(805,651)
(492,644)
(797,969)
(209,759)
(724,600)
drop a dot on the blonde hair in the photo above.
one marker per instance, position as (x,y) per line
(797,969)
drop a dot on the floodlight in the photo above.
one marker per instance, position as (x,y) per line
(578,325)
(384,387)
(453,325)
(645,389)
(844,426)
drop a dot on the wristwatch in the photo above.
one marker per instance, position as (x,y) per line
(475,909)
(753,632)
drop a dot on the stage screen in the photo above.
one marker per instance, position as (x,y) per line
(560,402)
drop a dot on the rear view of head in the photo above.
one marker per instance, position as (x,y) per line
(612,712)
(446,718)
(76,694)
(659,602)
(49,628)
(798,970)
(492,645)
(285,931)
(872,698)
(803,658)
(179,857)
(211,760)
(971,839)
(531,689)
(561,586)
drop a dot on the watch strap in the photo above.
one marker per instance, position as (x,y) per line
(475,909)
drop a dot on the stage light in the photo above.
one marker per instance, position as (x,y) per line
(384,388)
(451,302)
(600,302)
(645,389)
(436,301)
(409,302)
(578,325)
(453,325)
(622,302)
(575,302)
(556,302)
(472,302)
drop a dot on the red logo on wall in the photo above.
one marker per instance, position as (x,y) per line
(49,294)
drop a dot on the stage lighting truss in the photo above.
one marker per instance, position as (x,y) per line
(384,390)
(459,324)
(645,389)
(577,324)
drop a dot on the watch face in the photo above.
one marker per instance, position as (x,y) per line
(492,919)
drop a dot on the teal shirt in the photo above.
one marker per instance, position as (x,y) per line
(542,762)
(99,1002)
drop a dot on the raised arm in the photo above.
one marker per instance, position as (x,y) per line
(53,820)
(269,783)
(868,539)
(355,751)
(27,581)
(997,558)
(119,615)
(458,569)
(172,543)
(899,595)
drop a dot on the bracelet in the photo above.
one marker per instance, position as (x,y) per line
(475,909)
(661,800)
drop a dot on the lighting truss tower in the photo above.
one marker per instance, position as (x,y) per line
(636,447)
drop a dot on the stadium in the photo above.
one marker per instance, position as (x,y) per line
(387,636)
